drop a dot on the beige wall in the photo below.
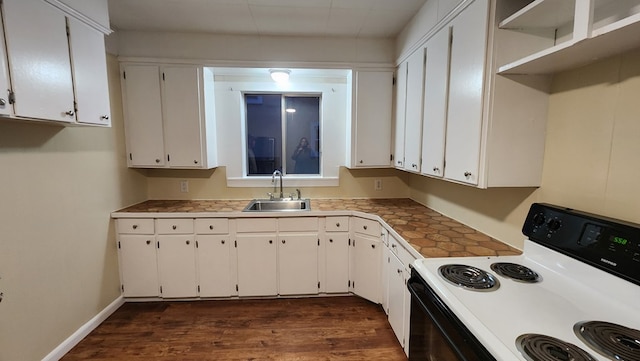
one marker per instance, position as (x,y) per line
(212,184)
(58,260)
(591,156)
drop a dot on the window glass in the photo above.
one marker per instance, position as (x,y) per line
(283,132)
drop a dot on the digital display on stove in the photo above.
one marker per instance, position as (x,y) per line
(619,240)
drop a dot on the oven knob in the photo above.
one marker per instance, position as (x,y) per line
(538,219)
(554,224)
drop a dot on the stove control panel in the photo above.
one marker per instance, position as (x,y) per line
(609,244)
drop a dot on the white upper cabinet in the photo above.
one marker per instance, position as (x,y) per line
(413,111)
(169,117)
(95,13)
(555,35)
(6,108)
(400,106)
(436,88)
(89,74)
(57,67)
(39,62)
(143,115)
(478,128)
(466,85)
(371,119)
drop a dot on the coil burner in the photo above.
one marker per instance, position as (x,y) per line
(536,347)
(469,277)
(516,272)
(609,339)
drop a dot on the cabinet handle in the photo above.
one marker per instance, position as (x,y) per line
(222,241)
(414,165)
(174,227)
(365,227)
(394,246)
(195,162)
(157,160)
(70,113)
(399,271)
(188,242)
(283,241)
(330,240)
(338,224)
(467,174)
(211,227)
(2,102)
(148,242)
(361,161)
(104,117)
(436,169)
(373,246)
(270,241)
(135,226)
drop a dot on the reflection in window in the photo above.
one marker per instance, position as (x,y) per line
(283,132)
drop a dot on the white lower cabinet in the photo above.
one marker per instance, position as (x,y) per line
(177,266)
(365,274)
(138,265)
(337,262)
(214,266)
(397,294)
(298,264)
(257,264)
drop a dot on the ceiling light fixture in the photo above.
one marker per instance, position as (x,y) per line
(280,75)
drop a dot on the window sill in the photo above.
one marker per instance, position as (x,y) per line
(289,182)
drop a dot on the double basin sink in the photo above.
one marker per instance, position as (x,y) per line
(278,205)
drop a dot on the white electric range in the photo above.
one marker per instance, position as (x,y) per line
(573,294)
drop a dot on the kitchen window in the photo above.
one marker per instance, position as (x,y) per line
(283,133)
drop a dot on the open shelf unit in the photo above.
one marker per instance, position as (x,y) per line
(577,31)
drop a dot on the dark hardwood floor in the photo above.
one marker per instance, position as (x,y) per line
(327,328)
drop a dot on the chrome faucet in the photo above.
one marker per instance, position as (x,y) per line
(275,182)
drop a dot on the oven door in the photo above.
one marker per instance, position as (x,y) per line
(436,334)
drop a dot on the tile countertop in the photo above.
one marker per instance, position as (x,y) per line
(429,232)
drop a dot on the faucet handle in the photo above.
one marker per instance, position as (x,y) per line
(270,195)
(299,194)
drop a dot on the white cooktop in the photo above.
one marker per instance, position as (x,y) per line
(570,291)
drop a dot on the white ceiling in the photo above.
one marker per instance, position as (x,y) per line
(340,18)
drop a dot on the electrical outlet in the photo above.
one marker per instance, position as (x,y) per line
(377,184)
(184,186)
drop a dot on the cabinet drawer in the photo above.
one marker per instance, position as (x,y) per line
(174,226)
(212,225)
(337,224)
(367,226)
(401,252)
(135,226)
(298,224)
(256,224)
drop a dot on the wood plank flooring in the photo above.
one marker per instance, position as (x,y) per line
(325,328)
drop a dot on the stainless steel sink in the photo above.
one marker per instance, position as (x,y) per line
(278,205)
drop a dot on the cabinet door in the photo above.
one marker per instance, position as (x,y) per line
(177,266)
(466,84)
(143,115)
(214,266)
(5,107)
(401,103)
(395,307)
(138,266)
(337,262)
(436,82)
(89,63)
(257,266)
(413,117)
(372,119)
(366,260)
(298,264)
(182,111)
(38,53)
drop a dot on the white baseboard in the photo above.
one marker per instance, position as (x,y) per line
(83,331)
